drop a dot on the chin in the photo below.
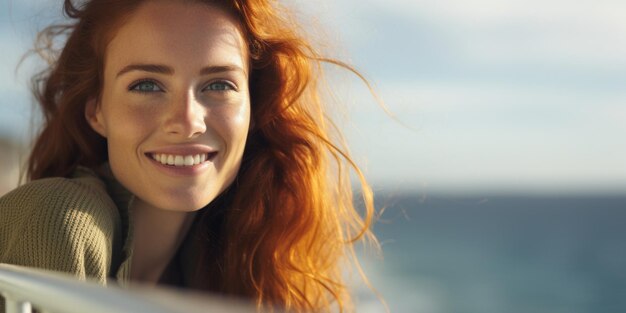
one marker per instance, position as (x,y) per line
(181,205)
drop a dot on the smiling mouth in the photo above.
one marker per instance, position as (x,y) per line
(182,160)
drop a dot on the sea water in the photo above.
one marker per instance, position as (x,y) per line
(499,254)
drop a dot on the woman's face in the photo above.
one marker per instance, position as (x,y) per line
(175,106)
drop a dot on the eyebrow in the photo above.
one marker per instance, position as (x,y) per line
(164,69)
(152,68)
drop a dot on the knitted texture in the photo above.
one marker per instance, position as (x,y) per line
(61,224)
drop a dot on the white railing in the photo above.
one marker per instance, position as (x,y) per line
(53,292)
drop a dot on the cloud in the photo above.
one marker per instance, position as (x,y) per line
(570,34)
(477,13)
(491,136)
(518,93)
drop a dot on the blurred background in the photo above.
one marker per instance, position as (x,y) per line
(502,173)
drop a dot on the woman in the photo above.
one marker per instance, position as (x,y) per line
(184,143)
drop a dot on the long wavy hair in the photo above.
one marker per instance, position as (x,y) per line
(283,231)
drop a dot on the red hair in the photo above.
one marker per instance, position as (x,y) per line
(280,232)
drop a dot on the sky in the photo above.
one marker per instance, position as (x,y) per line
(484,95)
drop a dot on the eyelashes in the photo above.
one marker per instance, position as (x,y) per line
(147,86)
(221,85)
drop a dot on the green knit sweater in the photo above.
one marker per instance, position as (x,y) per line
(79,225)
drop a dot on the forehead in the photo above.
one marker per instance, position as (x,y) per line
(189,33)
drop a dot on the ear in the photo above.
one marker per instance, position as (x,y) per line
(93,115)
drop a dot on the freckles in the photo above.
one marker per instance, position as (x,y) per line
(240,118)
(132,120)
(238,124)
(241,114)
(232,115)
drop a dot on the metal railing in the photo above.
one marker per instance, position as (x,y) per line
(52,292)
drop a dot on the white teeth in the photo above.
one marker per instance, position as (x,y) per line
(180,160)
(188,160)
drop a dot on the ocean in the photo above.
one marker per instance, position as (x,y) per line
(498,254)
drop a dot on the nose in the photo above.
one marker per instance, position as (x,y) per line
(186,117)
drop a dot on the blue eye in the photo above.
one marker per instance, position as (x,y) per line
(146,86)
(220,86)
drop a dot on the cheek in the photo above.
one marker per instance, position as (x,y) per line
(234,123)
(126,115)
(127,125)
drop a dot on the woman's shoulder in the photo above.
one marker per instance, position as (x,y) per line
(84,192)
(62,224)
(83,196)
